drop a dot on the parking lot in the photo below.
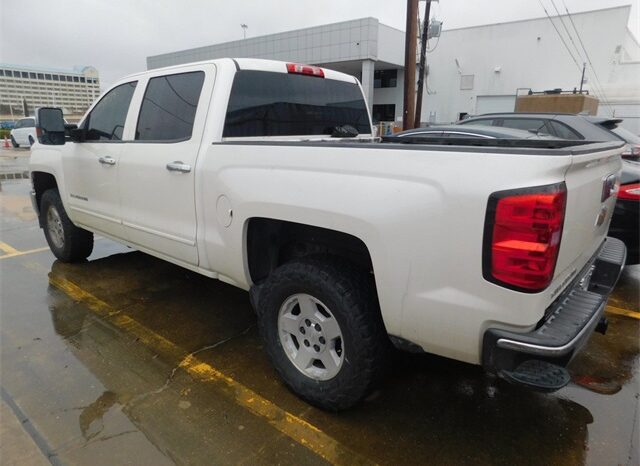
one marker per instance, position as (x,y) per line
(129,359)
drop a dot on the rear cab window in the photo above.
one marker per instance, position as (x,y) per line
(265,103)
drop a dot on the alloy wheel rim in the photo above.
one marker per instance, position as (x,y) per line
(311,336)
(55,228)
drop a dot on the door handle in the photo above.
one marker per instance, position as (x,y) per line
(178,166)
(107,160)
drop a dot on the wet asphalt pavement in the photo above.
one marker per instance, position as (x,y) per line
(126,359)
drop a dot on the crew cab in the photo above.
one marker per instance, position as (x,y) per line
(266,175)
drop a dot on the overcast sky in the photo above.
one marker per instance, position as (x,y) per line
(116,36)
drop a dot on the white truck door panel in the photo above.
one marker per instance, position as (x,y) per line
(91,167)
(92,185)
(156,173)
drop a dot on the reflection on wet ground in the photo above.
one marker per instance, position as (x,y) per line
(128,359)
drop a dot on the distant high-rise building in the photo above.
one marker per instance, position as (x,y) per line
(74,90)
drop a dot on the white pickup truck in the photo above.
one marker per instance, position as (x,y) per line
(266,175)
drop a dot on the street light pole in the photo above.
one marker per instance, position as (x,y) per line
(244,30)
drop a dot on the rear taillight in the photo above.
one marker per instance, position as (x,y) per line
(629,192)
(523,228)
(296,68)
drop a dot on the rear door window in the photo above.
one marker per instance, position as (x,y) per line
(484,122)
(563,131)
(535,125)
(264,103)
(169,107)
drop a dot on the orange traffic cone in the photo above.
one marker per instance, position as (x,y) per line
(6,143)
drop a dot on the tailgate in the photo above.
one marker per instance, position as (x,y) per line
(587,215)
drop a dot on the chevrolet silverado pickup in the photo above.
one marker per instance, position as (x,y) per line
(267,175)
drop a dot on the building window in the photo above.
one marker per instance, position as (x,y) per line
(32,75)
(1,72)
(56,77)
(385,78)
(25,74)
(47,77)
(384,112)
(40,76)
(466,82)
(81,79)
(76,79)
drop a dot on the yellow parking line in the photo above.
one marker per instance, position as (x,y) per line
(22,253)
(7,249)
(289,424)
(623,312)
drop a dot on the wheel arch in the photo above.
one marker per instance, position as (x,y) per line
(271,242)
(41,182)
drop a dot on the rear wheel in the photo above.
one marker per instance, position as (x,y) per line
(323,330)
(14,143)
(31,141)
(67,242)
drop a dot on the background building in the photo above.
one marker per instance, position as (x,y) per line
(470,70)
(73,90)
(371,51)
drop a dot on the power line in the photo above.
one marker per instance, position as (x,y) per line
(560,35)
(566,29)
(595,75)
(595,85)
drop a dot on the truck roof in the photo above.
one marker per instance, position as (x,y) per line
(255,64)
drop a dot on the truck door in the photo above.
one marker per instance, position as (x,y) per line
(157,179)
(91,167)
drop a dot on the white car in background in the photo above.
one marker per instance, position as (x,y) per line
(24,132)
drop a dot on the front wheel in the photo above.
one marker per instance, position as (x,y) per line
(67,242)
(31,141)
(14,143)
(323,331)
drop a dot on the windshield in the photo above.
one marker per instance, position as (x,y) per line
(627,135)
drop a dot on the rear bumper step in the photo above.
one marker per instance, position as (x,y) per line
(569,322)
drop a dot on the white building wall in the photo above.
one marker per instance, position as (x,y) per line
(528,54)
(390,44)
(338,42)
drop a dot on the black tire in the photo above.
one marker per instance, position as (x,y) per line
(349,294)
(14,143)
(31,141)
(76,244)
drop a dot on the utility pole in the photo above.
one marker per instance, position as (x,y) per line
(584,65)
(409,103)
(423,59)
(244,30)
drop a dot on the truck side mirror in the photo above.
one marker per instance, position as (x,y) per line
(50,126)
